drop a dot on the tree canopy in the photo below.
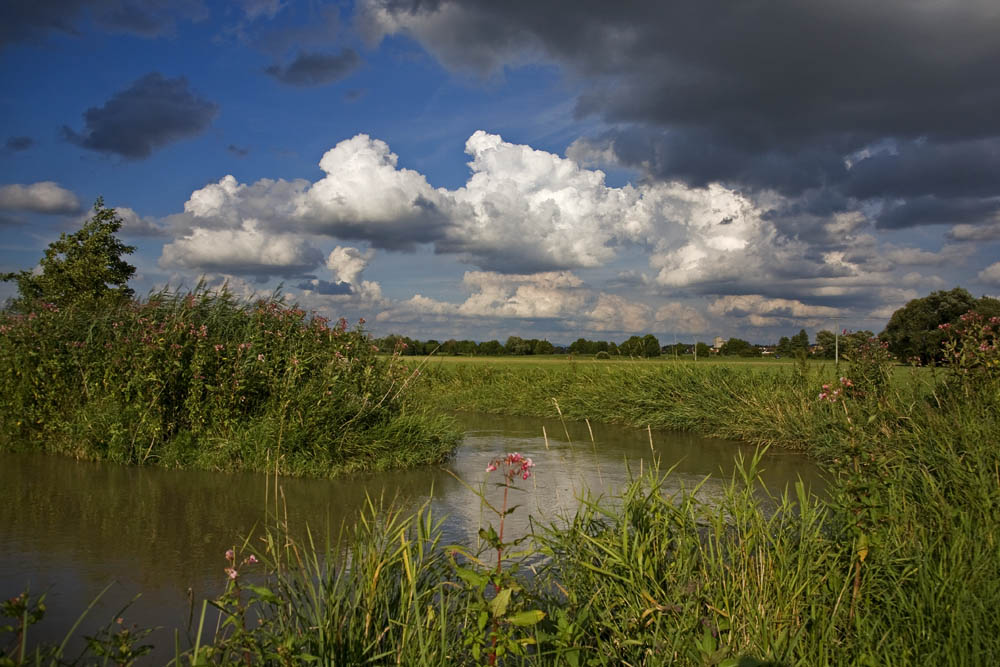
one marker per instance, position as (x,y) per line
(84,265)
(912,331)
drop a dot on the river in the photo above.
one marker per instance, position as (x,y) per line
(70,528)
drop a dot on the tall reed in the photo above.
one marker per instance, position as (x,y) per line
(204,379)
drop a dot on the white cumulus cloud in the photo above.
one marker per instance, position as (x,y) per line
(247,250)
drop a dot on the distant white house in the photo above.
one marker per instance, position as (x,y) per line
(717,343)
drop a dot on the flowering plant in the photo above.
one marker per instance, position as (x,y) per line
(972,350)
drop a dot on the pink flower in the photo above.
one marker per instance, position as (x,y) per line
(232,573)
(251,559)
(230,555)
(260,357)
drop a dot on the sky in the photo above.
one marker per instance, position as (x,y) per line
(552,170)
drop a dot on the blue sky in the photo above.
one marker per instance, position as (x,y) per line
(477,170)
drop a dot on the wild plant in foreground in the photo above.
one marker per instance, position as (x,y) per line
(498,619)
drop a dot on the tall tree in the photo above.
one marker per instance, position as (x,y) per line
(912,331)
(84,265)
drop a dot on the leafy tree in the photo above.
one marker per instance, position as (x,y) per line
(491,348)
(613,348)
(86,265)
(703,349)
(517,345)
(800,341)
(739,347)
(631,347)
(912,331)
(784,346)
(543,347)
(650,346)
(828,341)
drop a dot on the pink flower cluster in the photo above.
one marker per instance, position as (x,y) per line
(231,571)
(832,394)
(514,465)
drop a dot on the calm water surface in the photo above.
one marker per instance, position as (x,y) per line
(70,528)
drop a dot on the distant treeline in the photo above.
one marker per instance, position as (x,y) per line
(635,346)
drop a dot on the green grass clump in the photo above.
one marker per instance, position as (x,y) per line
(206,380)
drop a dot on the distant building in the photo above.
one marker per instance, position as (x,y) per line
(717,343)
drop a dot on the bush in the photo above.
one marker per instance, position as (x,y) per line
(205,379)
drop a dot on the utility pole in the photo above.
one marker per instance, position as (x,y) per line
(836,342)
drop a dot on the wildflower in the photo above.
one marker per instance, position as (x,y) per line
(232,573)
(230,555)
(251,559)
(260,357)
(514,464)
(218,347)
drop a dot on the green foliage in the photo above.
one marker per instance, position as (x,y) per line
(739,347)
(971,352)
(205,380)
(784,346)
(799,341)
(913,331)
(86,265)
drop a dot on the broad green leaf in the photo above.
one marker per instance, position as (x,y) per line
(498,605)
(529,617)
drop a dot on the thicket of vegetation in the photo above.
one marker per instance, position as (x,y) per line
(198,379)
(204,379)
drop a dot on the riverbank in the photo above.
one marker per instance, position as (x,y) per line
(899,566)
(206,380)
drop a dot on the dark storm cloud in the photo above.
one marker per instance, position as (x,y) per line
(930,210)
(151,113)
(772,95)
(959,169)
(34,20)
(316,69)
(19,143)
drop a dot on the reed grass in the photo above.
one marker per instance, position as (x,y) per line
(207,380)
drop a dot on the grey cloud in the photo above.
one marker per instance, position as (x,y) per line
(316,69)
(325,287)
(919,168)
(19,143)
(33,20)
(43,197)
(768,97)
(930,210)
(151,113)
(237,150)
